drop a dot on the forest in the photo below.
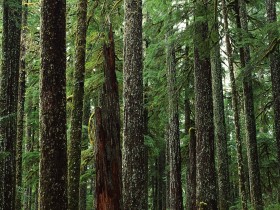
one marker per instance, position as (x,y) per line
(139,104)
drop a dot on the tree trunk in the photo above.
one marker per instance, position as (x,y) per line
(167,166)
(108,151)
(219,118)
(28,148)
(74,153)
(161,182)
(175,187)
(250,123)
(53,158)
(85,140)
(241,173)
(134,165)
(20,109)
(191,181)
(275,77)
(8,101)
(206,176)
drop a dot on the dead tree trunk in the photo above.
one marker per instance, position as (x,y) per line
(108,152)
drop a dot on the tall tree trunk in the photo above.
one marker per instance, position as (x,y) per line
(20,109)
(9,76)
(134,165)
(167,168)
(161,182)
(53,158)
(219,118)
(191,181)
(28,148)
(241,172)
(275,76)
(108,151)
(84,184)
(74,153)
(175,187)
(206,175)
(250,123)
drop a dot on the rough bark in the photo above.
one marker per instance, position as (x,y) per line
(219,119)
(241,173)
(28,148)
(175,187)
(134,165)
(20,109)
(108,151)
(161,182)
(84,146)
(191,179)
(206,176)
(250,122)
(167,168)
(74,153)
(8,101)
(275,76)
(53,157)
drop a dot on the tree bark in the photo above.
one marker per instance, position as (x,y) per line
(9,76)
(74,153)
(241,172)
(108,151)
(275,76)
(219,118)
(167,168)
(250,122)
(20,109)
(134,165)
(53,157)
(206,176)
(176,200)
(191,181)
(84,146)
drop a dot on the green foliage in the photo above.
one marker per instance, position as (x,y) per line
(159,17)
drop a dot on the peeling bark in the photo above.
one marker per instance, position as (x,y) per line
(108,151)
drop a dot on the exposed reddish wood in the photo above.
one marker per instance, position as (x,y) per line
(108,153)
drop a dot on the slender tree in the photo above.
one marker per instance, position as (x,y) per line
(219,116)
(191,179)
(84,146)
(53,157)
(74,153)
(241,173)
(28,148)
(206,176)
(250,122)
(134,165)
(9,76)
(20,108)
(175,187)
(167,167)
(275,75)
